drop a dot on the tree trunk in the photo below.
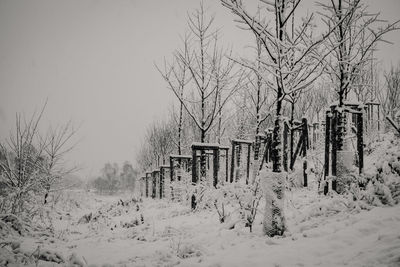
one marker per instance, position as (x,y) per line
(203,159)
(277,141)
(180,129)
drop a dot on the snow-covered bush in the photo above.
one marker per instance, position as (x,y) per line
(381,188)
(248,198)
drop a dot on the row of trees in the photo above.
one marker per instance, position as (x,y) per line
(298,68)
(113,179)
(32,163)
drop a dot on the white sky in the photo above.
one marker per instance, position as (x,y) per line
(94,61)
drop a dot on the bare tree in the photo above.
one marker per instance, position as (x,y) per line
(355,35)
(176,76)
(292,62)
(23,156)
(213,78)
(156,145)
(56,144)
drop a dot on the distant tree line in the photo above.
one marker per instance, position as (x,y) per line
(113,180)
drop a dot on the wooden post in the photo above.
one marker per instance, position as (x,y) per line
(379,124)
(208,162)
(171,164)
(147,186)
(238,160)
(327,147)
(248,163)
(232,161)
(226,165)
(285,146)
(360,143)
(153,195)
(161,182)
(194,166)
(334,146)
(215,167)
(305,146)
(194,177)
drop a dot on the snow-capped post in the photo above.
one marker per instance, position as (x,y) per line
(305,146)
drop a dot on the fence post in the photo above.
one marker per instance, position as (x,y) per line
(215,167)
(334,147)
(305,146)
(194,176)
(327,147)
(285,146)
(232,161)
(248,163)
(360,143)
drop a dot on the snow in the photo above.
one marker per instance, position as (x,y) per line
(164,166)
(180,156)
(332,230)
(242,141)
(198,144)
(324,231)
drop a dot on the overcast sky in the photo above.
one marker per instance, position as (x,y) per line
(94,62)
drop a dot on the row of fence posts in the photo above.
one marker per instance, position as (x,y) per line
(304,135)
(153,183)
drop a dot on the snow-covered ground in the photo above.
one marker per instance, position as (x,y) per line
(333,230)
(323,231)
